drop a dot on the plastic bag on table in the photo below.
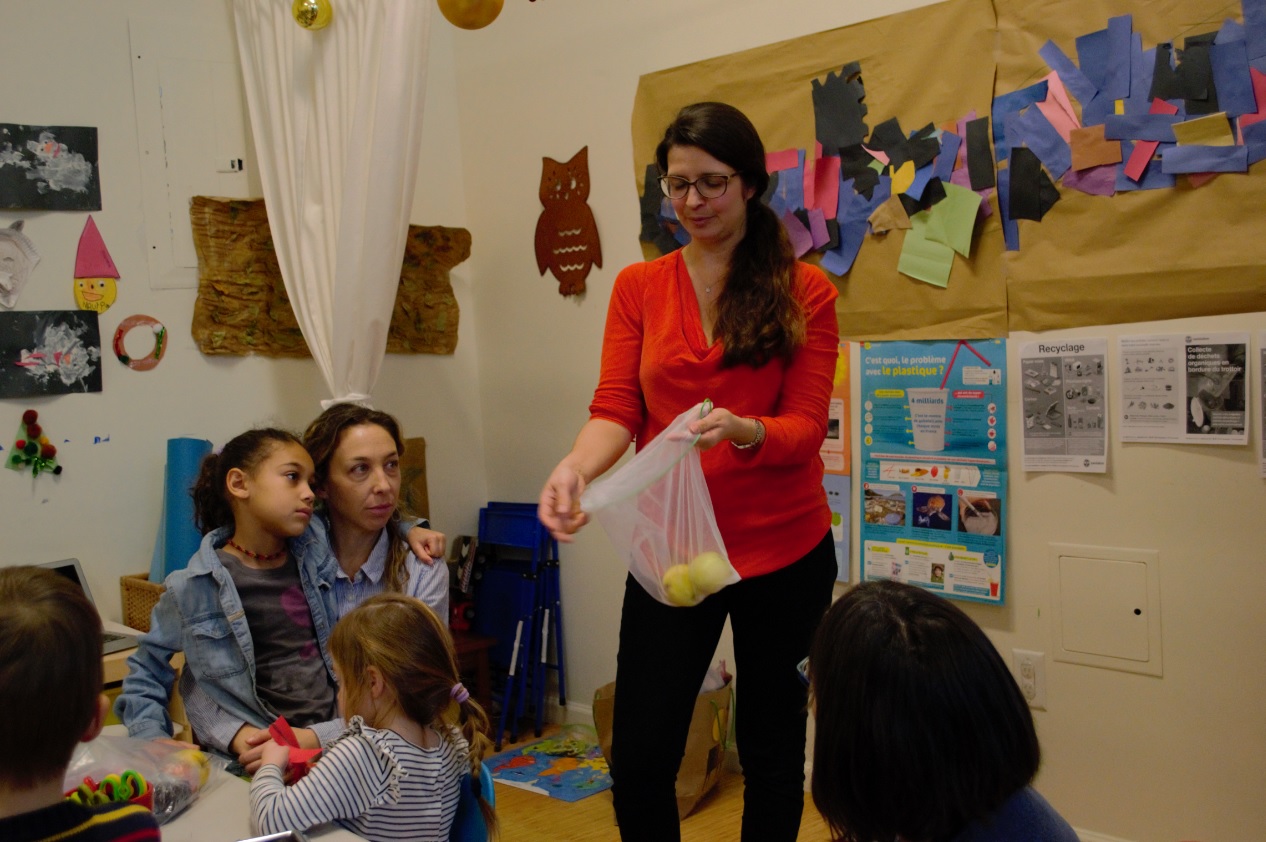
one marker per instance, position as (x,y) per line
(657,512)
(174,774)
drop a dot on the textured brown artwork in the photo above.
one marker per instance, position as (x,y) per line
(242,306)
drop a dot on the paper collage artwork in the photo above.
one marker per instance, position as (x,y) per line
(1118,119)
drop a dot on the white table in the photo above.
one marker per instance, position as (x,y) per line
(223,814)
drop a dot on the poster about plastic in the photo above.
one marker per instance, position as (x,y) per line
(1184,388)
(1063,390)
(934,470)
(836,453)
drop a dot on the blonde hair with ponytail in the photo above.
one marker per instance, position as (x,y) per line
(408,644)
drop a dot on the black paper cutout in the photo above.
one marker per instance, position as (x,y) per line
(979,154)
(838,108)
(1195,75)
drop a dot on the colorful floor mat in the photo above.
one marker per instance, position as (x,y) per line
(566,769)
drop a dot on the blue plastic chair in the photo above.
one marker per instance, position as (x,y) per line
(468,824)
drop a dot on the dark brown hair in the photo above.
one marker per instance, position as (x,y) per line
(50,673)
(211,507)
(404,640)
(919,726)
(758,314)
(322,438)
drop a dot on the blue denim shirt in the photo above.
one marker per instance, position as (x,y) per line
(201,614)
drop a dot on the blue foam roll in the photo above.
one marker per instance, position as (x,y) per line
(178,536)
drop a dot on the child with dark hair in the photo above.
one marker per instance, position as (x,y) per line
(252,611)
(921,732)
(50,699)
(413,733)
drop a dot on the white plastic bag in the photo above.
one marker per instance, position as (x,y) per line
(658,514)
(175,773)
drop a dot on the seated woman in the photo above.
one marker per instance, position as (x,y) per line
(356,452)
(356,456)
(921,732)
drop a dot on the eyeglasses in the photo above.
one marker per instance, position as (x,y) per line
(708,185)
(803,669)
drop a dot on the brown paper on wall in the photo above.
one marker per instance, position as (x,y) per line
(1140,256)
(1146,255)
(930,65)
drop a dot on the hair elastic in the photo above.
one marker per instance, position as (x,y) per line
(459,693)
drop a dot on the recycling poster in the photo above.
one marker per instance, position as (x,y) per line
(933,466)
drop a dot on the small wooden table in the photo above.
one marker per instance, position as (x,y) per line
(472,655)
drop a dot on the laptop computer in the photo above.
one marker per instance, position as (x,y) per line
(69,568)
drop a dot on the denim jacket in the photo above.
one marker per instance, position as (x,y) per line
(201,614)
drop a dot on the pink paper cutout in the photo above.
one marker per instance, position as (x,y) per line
(1145,149)
(785,159)
(1057,108)
(92,260)
(827,188)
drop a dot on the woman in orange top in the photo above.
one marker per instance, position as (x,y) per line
(732,317)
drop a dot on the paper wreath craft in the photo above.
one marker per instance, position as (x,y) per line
(301,759)
(32,449)
(17,258)
(148,324)
(566,234)
(95,272)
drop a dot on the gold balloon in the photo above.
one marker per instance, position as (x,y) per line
(471,14)
(312,14)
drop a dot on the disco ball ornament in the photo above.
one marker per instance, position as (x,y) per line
(312,14)
(471,14)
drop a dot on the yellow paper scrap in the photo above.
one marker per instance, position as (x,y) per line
(903,178)
(1210,130)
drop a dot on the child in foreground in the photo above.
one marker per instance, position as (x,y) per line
(921,732)
(50,699)
(413,733)
(252,609)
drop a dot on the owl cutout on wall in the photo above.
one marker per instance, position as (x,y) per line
(567,234)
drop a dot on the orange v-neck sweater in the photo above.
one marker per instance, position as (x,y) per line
(656,363)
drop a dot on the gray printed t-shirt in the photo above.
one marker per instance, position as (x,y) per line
(290,675)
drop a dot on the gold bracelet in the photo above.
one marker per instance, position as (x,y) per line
(760,437)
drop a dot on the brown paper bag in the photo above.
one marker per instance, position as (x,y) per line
(706,741)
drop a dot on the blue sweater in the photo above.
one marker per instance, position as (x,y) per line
(1024,817)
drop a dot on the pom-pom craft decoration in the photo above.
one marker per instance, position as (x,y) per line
(32,449)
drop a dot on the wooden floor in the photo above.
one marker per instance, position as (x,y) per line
(529,817)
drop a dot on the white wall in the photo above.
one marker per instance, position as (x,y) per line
(1132,757)
(68,63)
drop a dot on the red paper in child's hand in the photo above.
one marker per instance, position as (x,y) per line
(301,759)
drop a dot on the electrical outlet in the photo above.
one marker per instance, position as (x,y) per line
(1030,674)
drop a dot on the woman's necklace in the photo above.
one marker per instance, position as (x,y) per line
(257,556)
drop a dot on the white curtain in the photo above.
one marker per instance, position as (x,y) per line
(336,116)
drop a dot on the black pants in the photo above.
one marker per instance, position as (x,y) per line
(664,655)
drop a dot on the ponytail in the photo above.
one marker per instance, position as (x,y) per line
(211,507)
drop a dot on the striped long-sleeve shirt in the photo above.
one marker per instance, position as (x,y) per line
(372,782)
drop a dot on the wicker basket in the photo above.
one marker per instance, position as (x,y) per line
(139,595)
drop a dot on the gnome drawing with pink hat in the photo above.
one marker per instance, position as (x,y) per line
(95,272)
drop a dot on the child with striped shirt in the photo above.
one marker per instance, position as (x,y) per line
(413,733)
